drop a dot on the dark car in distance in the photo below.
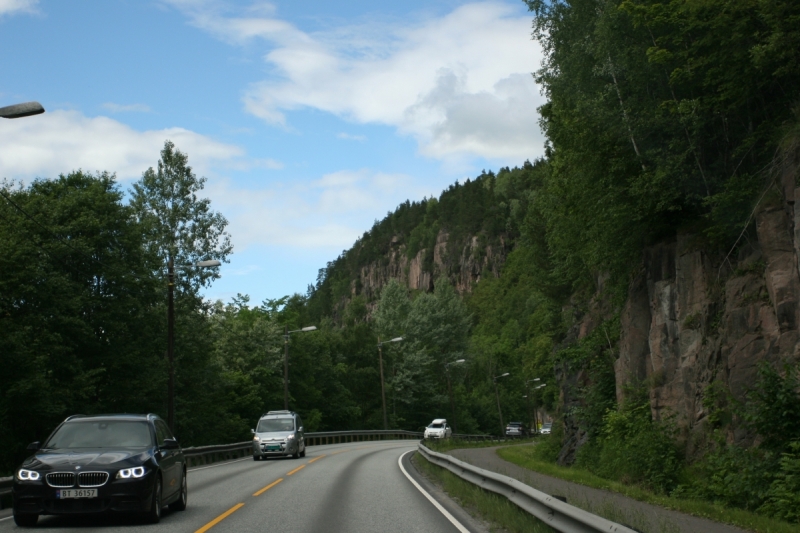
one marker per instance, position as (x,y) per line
(102,463)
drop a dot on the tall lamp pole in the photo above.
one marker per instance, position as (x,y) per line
(497,396)
(383,388)
(528,399)
(535,415)
(171,332)
(450,390)
(286,361)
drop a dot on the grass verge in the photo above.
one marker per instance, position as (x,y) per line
(526,457)
(501,514)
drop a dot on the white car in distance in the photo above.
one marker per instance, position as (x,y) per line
(438,429)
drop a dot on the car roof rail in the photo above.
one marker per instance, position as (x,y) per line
(73,416)
(283,412)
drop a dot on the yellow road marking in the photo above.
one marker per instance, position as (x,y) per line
(296,469)
(316,459)
(220,518)
(265,489)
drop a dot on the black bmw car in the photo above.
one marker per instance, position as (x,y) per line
(103,463)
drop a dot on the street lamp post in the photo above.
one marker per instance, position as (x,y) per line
(528,400)
(450,390)
(21,110)
(497,396)
(171,332)
(535,415)
(286,361)
(383,391)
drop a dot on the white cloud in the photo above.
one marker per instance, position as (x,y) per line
(61,141)
(126,108)
(459,84)
(329,213)
(8,7)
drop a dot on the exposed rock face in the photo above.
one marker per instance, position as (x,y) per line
(691,319)
(473,260)
(682,328)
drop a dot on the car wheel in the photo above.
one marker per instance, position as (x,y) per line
(296,453)
(153,516)
(303,453)
(256,458)
(180,503)
(25,519)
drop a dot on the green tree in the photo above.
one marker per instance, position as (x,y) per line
(78,309)
(178,225)
(180,229)
(247,359)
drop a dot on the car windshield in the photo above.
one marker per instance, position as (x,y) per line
(101,434)
(436,425)
(547,425)
(269,425)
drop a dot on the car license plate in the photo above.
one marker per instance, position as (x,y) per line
(273,448)
(76,493)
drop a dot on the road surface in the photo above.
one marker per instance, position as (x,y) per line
(355,488)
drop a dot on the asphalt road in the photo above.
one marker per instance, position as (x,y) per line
(354,488)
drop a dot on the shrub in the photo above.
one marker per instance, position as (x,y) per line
(783,496)
(735,476)
(633,448)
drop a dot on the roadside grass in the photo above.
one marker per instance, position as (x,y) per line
(527,457)
(501,514)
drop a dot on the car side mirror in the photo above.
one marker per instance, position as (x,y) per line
(253,431)
(170,444)
(300,429)
(34,445)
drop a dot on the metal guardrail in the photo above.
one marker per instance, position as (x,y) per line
(555,513)
(201,455)
(337,437)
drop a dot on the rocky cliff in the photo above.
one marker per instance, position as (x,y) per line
(692,319)
(463,263)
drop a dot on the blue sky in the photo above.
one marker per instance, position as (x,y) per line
(310,119)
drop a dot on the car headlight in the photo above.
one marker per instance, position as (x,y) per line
(256,439)
(127,473)
(28,475)
(289,437)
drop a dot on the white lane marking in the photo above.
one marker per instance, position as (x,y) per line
(7,518)
(436,504)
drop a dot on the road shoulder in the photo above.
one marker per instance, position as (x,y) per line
(638,515)
(473,523)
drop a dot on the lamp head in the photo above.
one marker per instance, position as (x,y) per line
(309,328)
(21,110)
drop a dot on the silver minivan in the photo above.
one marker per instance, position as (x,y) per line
(278,434)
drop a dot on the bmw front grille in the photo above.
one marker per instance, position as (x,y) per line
(61,480)
(92,479)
